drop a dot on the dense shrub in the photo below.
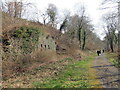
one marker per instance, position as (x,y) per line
(29,37)
(23,41)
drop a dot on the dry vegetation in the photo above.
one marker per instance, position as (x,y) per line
(33,51)
(14,61)
(20,54)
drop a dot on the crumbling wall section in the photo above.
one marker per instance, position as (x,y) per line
(47,42)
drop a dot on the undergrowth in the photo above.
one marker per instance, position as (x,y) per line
(75,75)
(23,41)
(29,37)
(113,59)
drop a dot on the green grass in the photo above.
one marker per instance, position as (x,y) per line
(75,75)
(113,59)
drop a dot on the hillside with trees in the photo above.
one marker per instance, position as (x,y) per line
(32,46)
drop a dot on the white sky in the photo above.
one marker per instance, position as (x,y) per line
(92,6)
(92,9)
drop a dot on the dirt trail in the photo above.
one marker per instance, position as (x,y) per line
(107,73)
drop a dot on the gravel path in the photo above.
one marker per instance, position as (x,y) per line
(108,74)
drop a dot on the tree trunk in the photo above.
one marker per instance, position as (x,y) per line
(15,9)
(108,49)
(84,40)
(119,47)
(107,43)
(79,36)
(119,32)
(111,45)
(44,22)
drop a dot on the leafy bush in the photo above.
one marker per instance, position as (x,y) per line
(23,41)
(29,37)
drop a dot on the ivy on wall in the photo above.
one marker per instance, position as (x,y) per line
(29,37)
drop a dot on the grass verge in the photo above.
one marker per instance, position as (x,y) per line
(113,59)
(79,74)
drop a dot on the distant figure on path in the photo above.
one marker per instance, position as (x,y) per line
(98,52)
(103,51)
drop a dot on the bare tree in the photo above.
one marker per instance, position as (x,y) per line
(75,24)
(63,25)
(52,12)
(79,28)
(15,8)
(119,32)
(80,22)
(86,30)
(111,24)
(116,1)
(36,17)
(44,17)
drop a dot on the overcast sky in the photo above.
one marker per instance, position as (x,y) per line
(92,8)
